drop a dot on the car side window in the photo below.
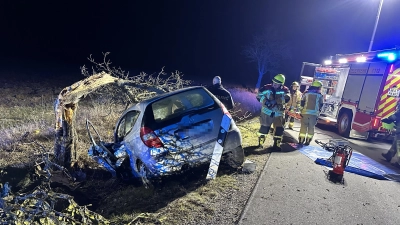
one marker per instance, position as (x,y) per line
(162,109)
(126,124)
(196,99)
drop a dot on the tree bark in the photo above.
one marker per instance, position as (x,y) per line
(65,111)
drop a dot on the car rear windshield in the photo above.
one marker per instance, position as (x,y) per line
(172,108)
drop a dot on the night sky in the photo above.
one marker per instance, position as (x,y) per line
(201,38)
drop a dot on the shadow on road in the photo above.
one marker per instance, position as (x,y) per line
(257,150)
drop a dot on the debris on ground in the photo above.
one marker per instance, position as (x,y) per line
(249,166)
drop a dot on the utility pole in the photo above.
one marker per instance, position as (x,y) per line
(376,25)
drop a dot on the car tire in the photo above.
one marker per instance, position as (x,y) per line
(144,173)
(235,158)
(344,124)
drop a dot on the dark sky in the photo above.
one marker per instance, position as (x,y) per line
(201,38)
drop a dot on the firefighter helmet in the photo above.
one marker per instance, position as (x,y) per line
(316,83)
(279,79)
(295,84)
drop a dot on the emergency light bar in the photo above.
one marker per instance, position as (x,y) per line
(361,59)
(388,55)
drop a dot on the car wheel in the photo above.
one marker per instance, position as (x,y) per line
(144,173)
(235,158)
(344,124)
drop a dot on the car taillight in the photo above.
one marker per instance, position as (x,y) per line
(149,138)
(376,122)
(225,111)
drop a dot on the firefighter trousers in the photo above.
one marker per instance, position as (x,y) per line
(395,148)
(307,127)
(266,121)
(291,121)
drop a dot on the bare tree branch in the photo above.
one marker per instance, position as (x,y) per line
(268,51)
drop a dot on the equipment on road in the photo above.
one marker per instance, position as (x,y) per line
(295,115)
(340,158)
(360,89)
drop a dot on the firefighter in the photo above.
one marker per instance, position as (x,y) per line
(273,97)
(388,123)
(294,104)
(311,104)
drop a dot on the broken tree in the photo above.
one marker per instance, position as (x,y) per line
(67,103)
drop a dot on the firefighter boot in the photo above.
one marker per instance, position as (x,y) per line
(308,140)
(301,140)
(261,140)
(291,124)
(277,144)
(388,156)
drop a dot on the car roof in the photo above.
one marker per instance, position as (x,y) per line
(164,95)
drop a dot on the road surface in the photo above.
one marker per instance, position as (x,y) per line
(292,189)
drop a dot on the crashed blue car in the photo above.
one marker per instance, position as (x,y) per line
(167,134)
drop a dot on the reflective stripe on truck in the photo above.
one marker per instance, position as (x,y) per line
(388,102)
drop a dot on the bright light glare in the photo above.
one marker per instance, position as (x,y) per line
(328,62)
(390,56)
(343,60)
(361,59)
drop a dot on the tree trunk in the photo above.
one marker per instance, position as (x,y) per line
(66,136)
(258,85)
(65,110)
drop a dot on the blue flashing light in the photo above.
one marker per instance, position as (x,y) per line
(388,56)
(391,57)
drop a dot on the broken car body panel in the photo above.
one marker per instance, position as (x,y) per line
(168,133)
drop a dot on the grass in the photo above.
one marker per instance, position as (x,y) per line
(246,99)
(28,116)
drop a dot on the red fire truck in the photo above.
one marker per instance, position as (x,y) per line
(359,89)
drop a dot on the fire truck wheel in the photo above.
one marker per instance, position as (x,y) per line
(344,124)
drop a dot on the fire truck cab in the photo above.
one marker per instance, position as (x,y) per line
(360,89)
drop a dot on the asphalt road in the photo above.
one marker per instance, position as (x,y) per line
(292,189)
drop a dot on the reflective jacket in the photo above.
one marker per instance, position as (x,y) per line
(311,102)
(395,118)
(273,101)
(295,100)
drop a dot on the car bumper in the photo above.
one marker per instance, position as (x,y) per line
(233,139)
